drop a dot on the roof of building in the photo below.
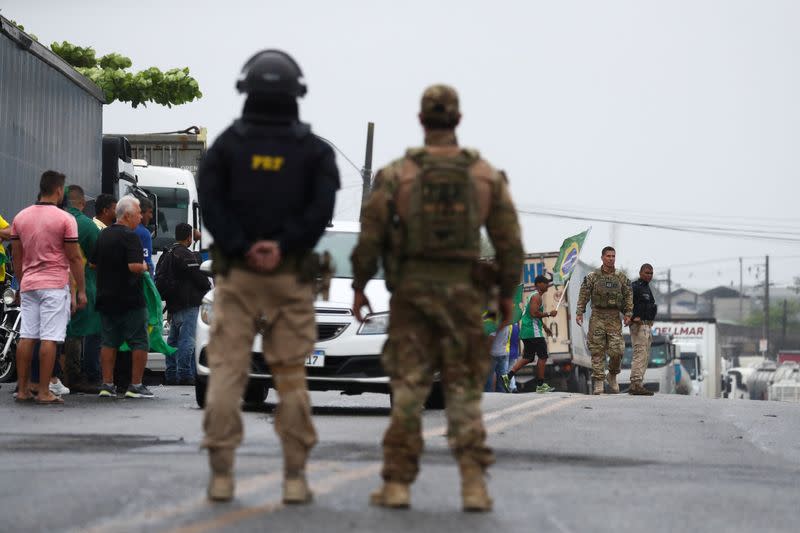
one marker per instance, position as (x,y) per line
(721,292)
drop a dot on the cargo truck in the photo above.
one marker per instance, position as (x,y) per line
(698,340)
(180,149)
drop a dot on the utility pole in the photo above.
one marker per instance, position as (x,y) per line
(366,172)
(766,303)
(669,293)
(783,323)
(741,290)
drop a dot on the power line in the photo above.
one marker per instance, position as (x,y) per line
(726,232)
(320,137)
(749,228)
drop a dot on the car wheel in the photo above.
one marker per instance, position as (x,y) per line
(200,387)
(255,394)
(436,397)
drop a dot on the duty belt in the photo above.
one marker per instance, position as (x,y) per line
(437,270)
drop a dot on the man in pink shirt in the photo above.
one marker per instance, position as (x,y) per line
(44,243)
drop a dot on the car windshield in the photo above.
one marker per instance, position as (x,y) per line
(340,245)
(173,208)
(658,356)
(690,362)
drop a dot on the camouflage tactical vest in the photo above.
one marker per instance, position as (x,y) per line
(607,291)
(443,219)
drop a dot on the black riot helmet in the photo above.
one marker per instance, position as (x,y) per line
(271,72)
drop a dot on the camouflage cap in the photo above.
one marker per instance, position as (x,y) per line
(439,102)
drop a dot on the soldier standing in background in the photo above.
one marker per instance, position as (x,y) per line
(267,190)
(644,312)
(423,219)
(610,293)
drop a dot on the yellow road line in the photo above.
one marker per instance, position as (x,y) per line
(329,483)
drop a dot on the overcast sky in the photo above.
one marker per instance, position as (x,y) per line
(672,112)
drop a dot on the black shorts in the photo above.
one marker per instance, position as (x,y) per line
(535,347)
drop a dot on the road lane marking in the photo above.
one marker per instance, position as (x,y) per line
(244,487)
(547,409)
(328,484)
(487,417)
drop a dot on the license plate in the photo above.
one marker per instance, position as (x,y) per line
(316,359)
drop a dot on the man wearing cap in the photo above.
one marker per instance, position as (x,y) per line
(423,222)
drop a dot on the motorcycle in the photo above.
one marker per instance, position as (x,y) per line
(9,335)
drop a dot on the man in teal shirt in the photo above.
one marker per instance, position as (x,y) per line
(82,345)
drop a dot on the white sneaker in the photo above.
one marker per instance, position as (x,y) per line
(58,388)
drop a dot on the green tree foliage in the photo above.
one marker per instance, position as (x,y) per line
(756,317)
(173,87)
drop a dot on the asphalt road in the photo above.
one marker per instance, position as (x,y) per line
(565,463)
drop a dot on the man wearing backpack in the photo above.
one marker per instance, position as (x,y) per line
(182,285)
(423,221)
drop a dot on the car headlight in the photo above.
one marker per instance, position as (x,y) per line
(9,295)
(207,312)
(376,324)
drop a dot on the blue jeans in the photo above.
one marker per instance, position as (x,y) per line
(498,368)
(182,329)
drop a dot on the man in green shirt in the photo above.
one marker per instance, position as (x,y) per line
(82,345)
(534,333)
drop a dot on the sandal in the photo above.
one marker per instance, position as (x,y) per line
(29,399)
(55,401)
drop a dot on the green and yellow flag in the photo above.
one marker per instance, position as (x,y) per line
(154,319)
(490,323)
(568,258)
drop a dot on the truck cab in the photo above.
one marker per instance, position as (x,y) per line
(662,369)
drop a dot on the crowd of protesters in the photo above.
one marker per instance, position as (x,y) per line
(82,293)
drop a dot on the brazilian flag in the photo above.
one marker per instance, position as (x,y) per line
(490,322)
(568,258)
(152,300)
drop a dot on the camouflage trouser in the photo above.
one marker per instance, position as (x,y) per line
(641,337)
(244,302)
(605,336)
(435,327)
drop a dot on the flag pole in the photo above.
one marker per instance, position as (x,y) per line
(566,285)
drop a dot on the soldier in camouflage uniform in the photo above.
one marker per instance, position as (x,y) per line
(610,293)
(423,221)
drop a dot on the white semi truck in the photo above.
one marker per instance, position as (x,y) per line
(700,353)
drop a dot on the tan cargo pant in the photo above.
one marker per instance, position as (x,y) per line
(282,309)
(435,327)
(605,336)
(641,337)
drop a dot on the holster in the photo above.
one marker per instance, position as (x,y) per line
(308,267)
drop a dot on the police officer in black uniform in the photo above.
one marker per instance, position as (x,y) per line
(267,188)
(644,312)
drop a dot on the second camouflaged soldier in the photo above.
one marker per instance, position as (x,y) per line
(267,190)
(610,293)
(423,219)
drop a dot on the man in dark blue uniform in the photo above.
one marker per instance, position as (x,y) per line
(267,190)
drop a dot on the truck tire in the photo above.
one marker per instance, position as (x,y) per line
(436,397)
(255,394)
(200,387)
(578,381)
